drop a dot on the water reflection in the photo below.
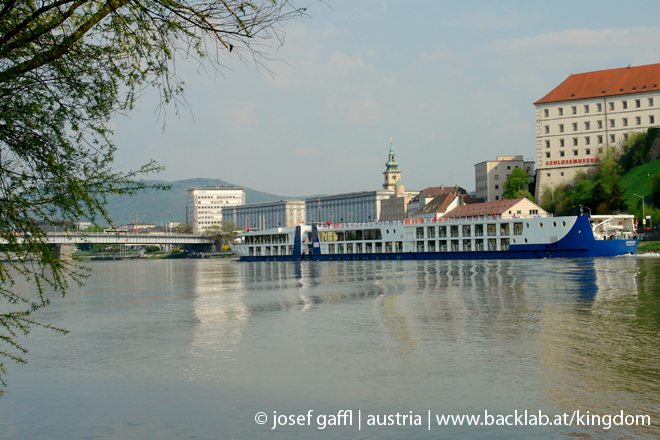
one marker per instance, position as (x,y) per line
(586,329)
(600,354)
(383,336)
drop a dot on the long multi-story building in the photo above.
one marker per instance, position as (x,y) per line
(588,112)
(490,175)
(266,215)
(204,205)
(364,206)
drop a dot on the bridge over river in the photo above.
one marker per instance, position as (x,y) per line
(64,242)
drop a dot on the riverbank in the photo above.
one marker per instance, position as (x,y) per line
(646,247)
(88,256)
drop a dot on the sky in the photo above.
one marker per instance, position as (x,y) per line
(452,83)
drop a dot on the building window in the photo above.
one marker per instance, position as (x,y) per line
(638,120)
(547,175)
(561,173)
(497,197)
(611,106)
(547,155)
(611,123)
(574,109)
(625,122)
(547,129)
(547,144)
(508,167)
(624,104)
(587,151)
(650,102)
(586,108)
(574,126)
(600,150)
(599,107)
(497,177)
(561,154)
(561,128)
(651,119)
(561,142)
(561,111)
(625,136)
(575,152)
(600,125)
(587,140)
(638,103)
(575,142)
(497,187)
(545,112)
(612,138)
(587,125)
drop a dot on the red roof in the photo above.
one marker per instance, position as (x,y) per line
(476,209)
(438,204)
(623,81)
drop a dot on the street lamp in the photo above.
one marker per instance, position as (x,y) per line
(643,216)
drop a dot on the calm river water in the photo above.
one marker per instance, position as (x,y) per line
(195,349)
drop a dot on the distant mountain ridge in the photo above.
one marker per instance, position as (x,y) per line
(160,207)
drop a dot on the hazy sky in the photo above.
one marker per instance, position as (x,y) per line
(452,82)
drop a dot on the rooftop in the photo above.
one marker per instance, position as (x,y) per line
(611,82)
(487,208)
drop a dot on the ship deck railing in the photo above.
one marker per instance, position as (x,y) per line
(422,221)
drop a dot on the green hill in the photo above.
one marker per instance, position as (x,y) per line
(160,207)
(639,181)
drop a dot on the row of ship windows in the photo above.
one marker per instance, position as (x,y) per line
(422,246)
(388,247)
(586,108)
(473,230)
(612,124)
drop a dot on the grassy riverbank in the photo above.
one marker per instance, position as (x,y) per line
(648,246)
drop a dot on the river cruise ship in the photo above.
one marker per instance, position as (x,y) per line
(475,237)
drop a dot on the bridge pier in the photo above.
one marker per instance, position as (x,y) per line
(63,251)
(205,247)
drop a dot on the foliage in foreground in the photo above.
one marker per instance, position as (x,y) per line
(223,235)
(66,68)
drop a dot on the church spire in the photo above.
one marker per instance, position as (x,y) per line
(392,173)
(391,164)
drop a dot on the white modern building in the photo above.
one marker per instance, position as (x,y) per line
(490,175)
(587,112)
(266,215)
(204,205)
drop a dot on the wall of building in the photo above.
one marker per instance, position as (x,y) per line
(266,215)
(204,205)
(346,208)
(490,175)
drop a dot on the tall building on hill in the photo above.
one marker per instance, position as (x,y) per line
(204,205)
(588,112)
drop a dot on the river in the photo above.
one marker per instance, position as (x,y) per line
(197,349)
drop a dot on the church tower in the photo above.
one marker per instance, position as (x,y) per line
(392,173)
